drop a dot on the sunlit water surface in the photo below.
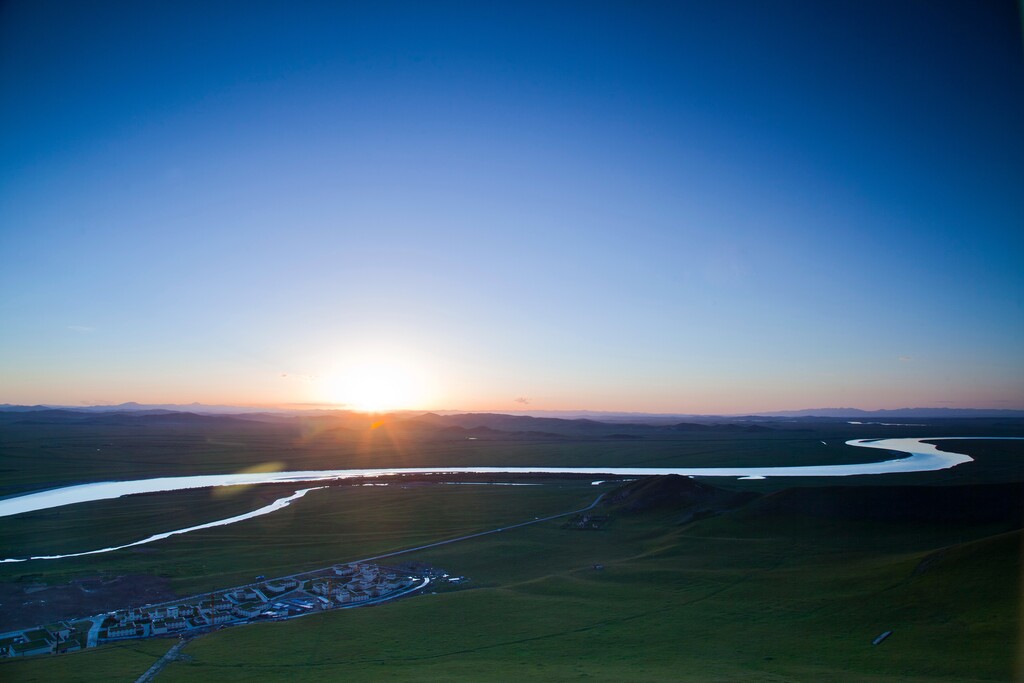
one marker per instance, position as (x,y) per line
(922,457)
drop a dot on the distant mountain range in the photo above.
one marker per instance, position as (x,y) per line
(591,415)
(134,407)
(341,426)
(898,412)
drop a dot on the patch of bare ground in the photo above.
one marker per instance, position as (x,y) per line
(26,604)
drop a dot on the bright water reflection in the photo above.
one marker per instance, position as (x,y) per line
(265,510)
(923,457)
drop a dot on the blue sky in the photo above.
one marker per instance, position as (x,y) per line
(694,207)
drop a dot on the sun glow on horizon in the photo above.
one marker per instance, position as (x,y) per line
(376,386)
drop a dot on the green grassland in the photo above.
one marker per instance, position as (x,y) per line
(39,456)
(739,597)
(99,524)
(757,593)
(753,594)
(115,663)
(335,524)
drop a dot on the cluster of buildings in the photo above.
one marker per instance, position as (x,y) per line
(233,605)
(337,586)
(352,583)
(140,622)
(281,598)
(52,638)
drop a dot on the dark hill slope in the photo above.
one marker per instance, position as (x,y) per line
(525,423)
(987,503)
(1002,550)
(718,427)
(674,492)
(581,427)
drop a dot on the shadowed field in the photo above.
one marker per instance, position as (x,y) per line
(740,597)
(767,591)
(336,524)
(791,585)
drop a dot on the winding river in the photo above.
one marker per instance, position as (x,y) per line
(921,457)
(265,510)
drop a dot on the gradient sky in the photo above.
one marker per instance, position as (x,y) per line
(683,207)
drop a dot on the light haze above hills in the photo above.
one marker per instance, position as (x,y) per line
(605,416)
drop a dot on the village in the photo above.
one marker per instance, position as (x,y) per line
(340,586)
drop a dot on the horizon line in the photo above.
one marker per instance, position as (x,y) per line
(340,408)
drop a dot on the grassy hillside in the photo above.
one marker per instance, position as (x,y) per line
(790,598)
(111,663)
(791,586)
(754,594)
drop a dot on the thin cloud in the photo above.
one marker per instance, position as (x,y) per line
(299,377)
(522,399)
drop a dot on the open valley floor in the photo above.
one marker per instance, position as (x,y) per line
(666,578)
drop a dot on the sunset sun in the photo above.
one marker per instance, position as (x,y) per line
(375,387)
